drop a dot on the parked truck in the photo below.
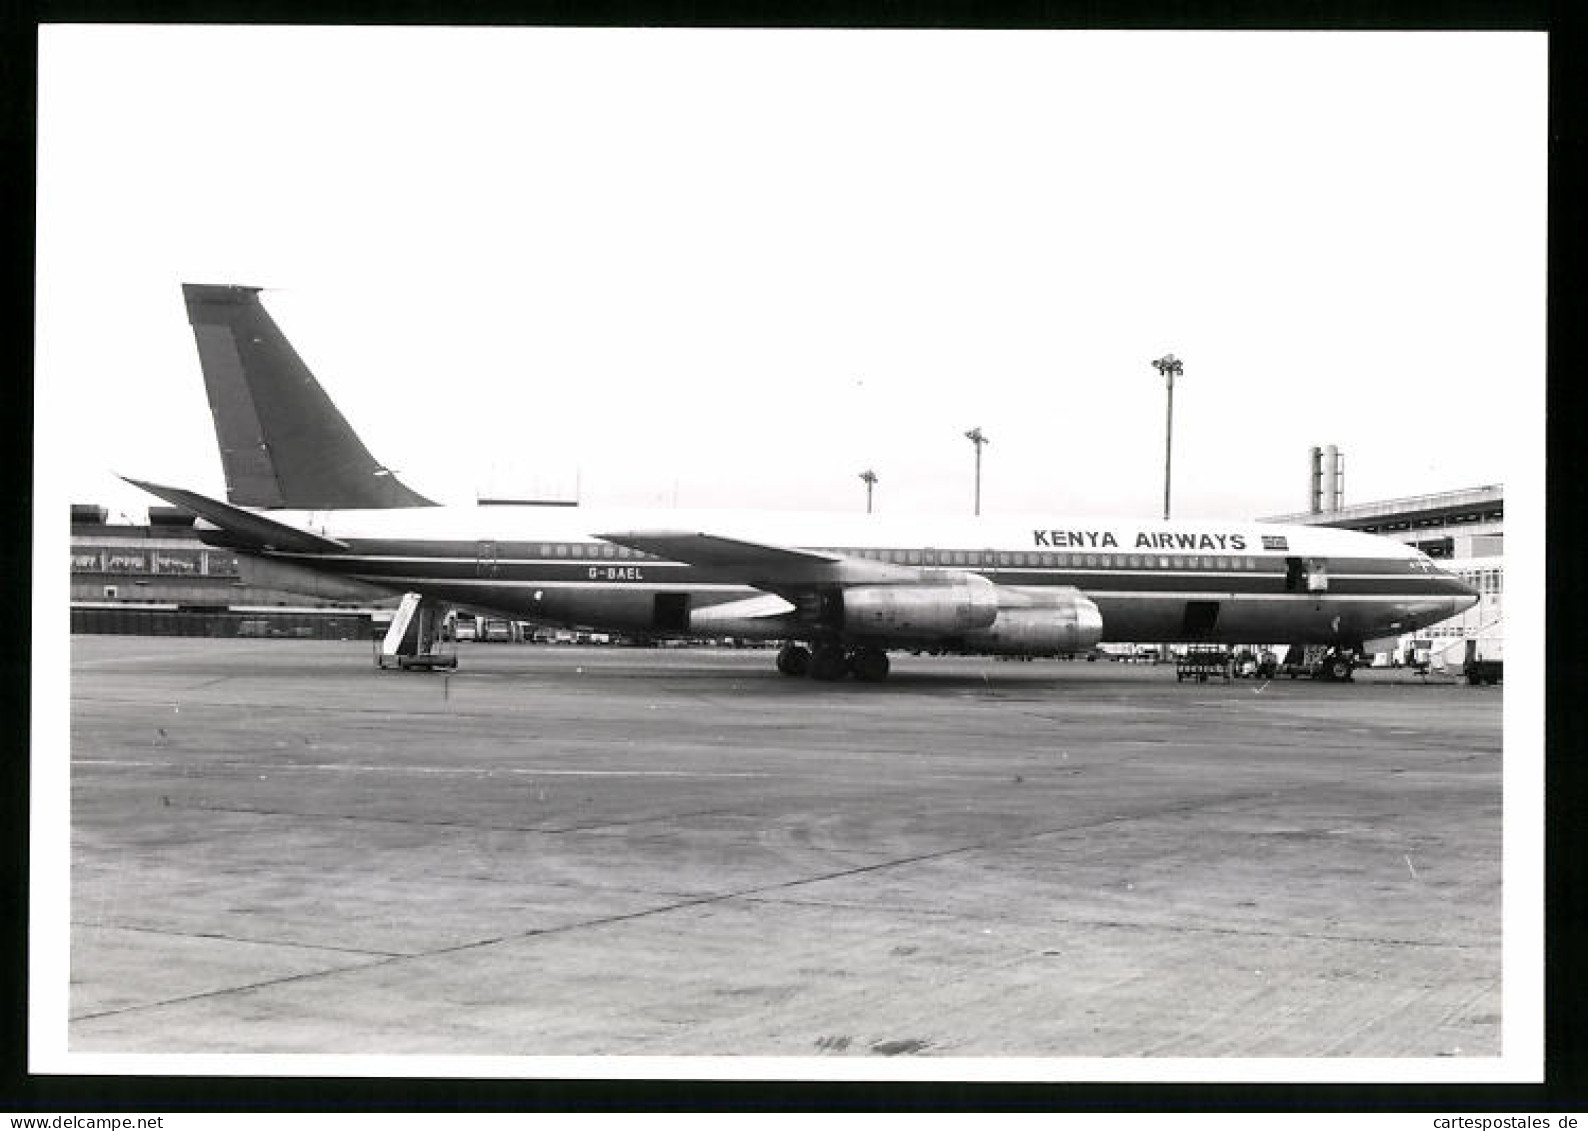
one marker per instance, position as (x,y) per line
(1318,661)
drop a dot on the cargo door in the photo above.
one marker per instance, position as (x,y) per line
(670,613)
(1201,617)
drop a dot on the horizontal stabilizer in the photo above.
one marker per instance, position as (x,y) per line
(254,531)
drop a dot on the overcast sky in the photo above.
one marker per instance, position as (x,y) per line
(738,268)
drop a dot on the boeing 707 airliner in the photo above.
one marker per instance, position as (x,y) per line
(309,509)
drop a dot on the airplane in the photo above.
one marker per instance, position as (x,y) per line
(310,510)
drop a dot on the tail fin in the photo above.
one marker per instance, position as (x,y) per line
(283,443)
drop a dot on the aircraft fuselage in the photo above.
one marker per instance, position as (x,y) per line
(1150,581)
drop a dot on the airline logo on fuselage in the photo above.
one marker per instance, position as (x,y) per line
(1145,540)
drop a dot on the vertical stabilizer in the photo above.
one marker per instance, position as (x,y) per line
(283,443)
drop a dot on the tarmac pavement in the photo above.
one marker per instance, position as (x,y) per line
(277,848)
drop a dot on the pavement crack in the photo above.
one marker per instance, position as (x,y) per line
(227,991)
(217,935)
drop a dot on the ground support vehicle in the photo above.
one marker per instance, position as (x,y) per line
(1201,663)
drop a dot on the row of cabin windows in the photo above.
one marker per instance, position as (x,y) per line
(590,550)
(1038,559)
(975,559)
(177,563)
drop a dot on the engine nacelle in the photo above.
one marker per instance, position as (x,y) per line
(1068,623)
(920,611)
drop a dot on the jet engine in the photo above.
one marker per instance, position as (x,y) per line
(1063,622)
(920,611)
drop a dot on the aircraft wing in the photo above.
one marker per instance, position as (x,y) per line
(779,569)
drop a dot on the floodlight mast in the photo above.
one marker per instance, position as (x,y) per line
(975,437)
(870,478)
(1171,367)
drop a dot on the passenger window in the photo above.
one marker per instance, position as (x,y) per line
(562,549)
(914,557)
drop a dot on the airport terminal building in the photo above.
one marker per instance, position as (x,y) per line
(158,579)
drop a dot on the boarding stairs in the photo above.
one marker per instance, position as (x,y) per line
(417,637)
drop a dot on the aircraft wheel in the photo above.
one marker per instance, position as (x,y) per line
(1338,669)
(793,659)
(870,665)
(828,663)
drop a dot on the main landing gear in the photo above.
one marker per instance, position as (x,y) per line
(832,662)
(793,659)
